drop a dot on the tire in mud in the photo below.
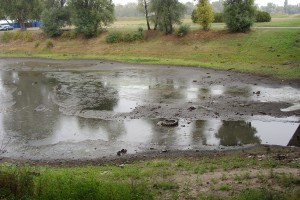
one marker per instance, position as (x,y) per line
(169,122)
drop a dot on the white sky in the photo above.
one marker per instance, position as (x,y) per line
(259,2)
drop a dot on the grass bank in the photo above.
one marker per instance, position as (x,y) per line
(272,52)
(258,174)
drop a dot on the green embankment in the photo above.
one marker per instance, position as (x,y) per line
(274,52)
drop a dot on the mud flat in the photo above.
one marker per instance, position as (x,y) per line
(53,110)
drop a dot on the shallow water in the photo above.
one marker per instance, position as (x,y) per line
(42,109)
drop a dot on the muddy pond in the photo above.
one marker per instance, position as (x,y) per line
(78,109)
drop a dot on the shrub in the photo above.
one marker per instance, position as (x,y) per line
(37,44)
(49,44)
(183,30)
(114,37)
(117,36)
(262,16)
(68,34)
(239,16)
(219,17)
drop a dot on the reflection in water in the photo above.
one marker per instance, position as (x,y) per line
(146,131)
(237,133)
(32,92)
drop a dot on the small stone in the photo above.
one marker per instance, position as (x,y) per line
(122,165)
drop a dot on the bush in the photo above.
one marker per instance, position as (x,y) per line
(117,36)
(219,17)
(183,30)
(36,44)
(114,37)
(68,34)
(239,16)
(49,44)
(262,16)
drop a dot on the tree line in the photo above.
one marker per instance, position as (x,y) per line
(89,17)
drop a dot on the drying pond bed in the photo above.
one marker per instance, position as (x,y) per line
(91,109)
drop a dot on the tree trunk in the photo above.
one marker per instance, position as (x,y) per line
(156,22)
(146,13)
(22,25)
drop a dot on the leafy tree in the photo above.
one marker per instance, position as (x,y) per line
(205,14)
(22,10)
(239,15)
(55,16)
(89,16)
(168,13)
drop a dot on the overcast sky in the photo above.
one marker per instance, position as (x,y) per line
(260,2)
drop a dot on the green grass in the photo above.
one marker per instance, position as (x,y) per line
(156,179)
(282,21)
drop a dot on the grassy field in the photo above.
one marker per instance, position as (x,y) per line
(252,174)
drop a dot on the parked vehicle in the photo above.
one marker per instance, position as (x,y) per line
(6,27)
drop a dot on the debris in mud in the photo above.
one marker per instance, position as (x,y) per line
(257,93)
(168,122)
(280,157)
(263,113)
(192,108)
(122,152)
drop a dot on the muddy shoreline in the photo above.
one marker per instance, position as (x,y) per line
(288,154)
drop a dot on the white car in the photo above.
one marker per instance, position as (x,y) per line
(6,27)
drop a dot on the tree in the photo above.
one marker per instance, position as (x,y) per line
(143,6)
(168,13)
(205,14)
(55,16)
(239,15)
(22,10)
(89,16)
